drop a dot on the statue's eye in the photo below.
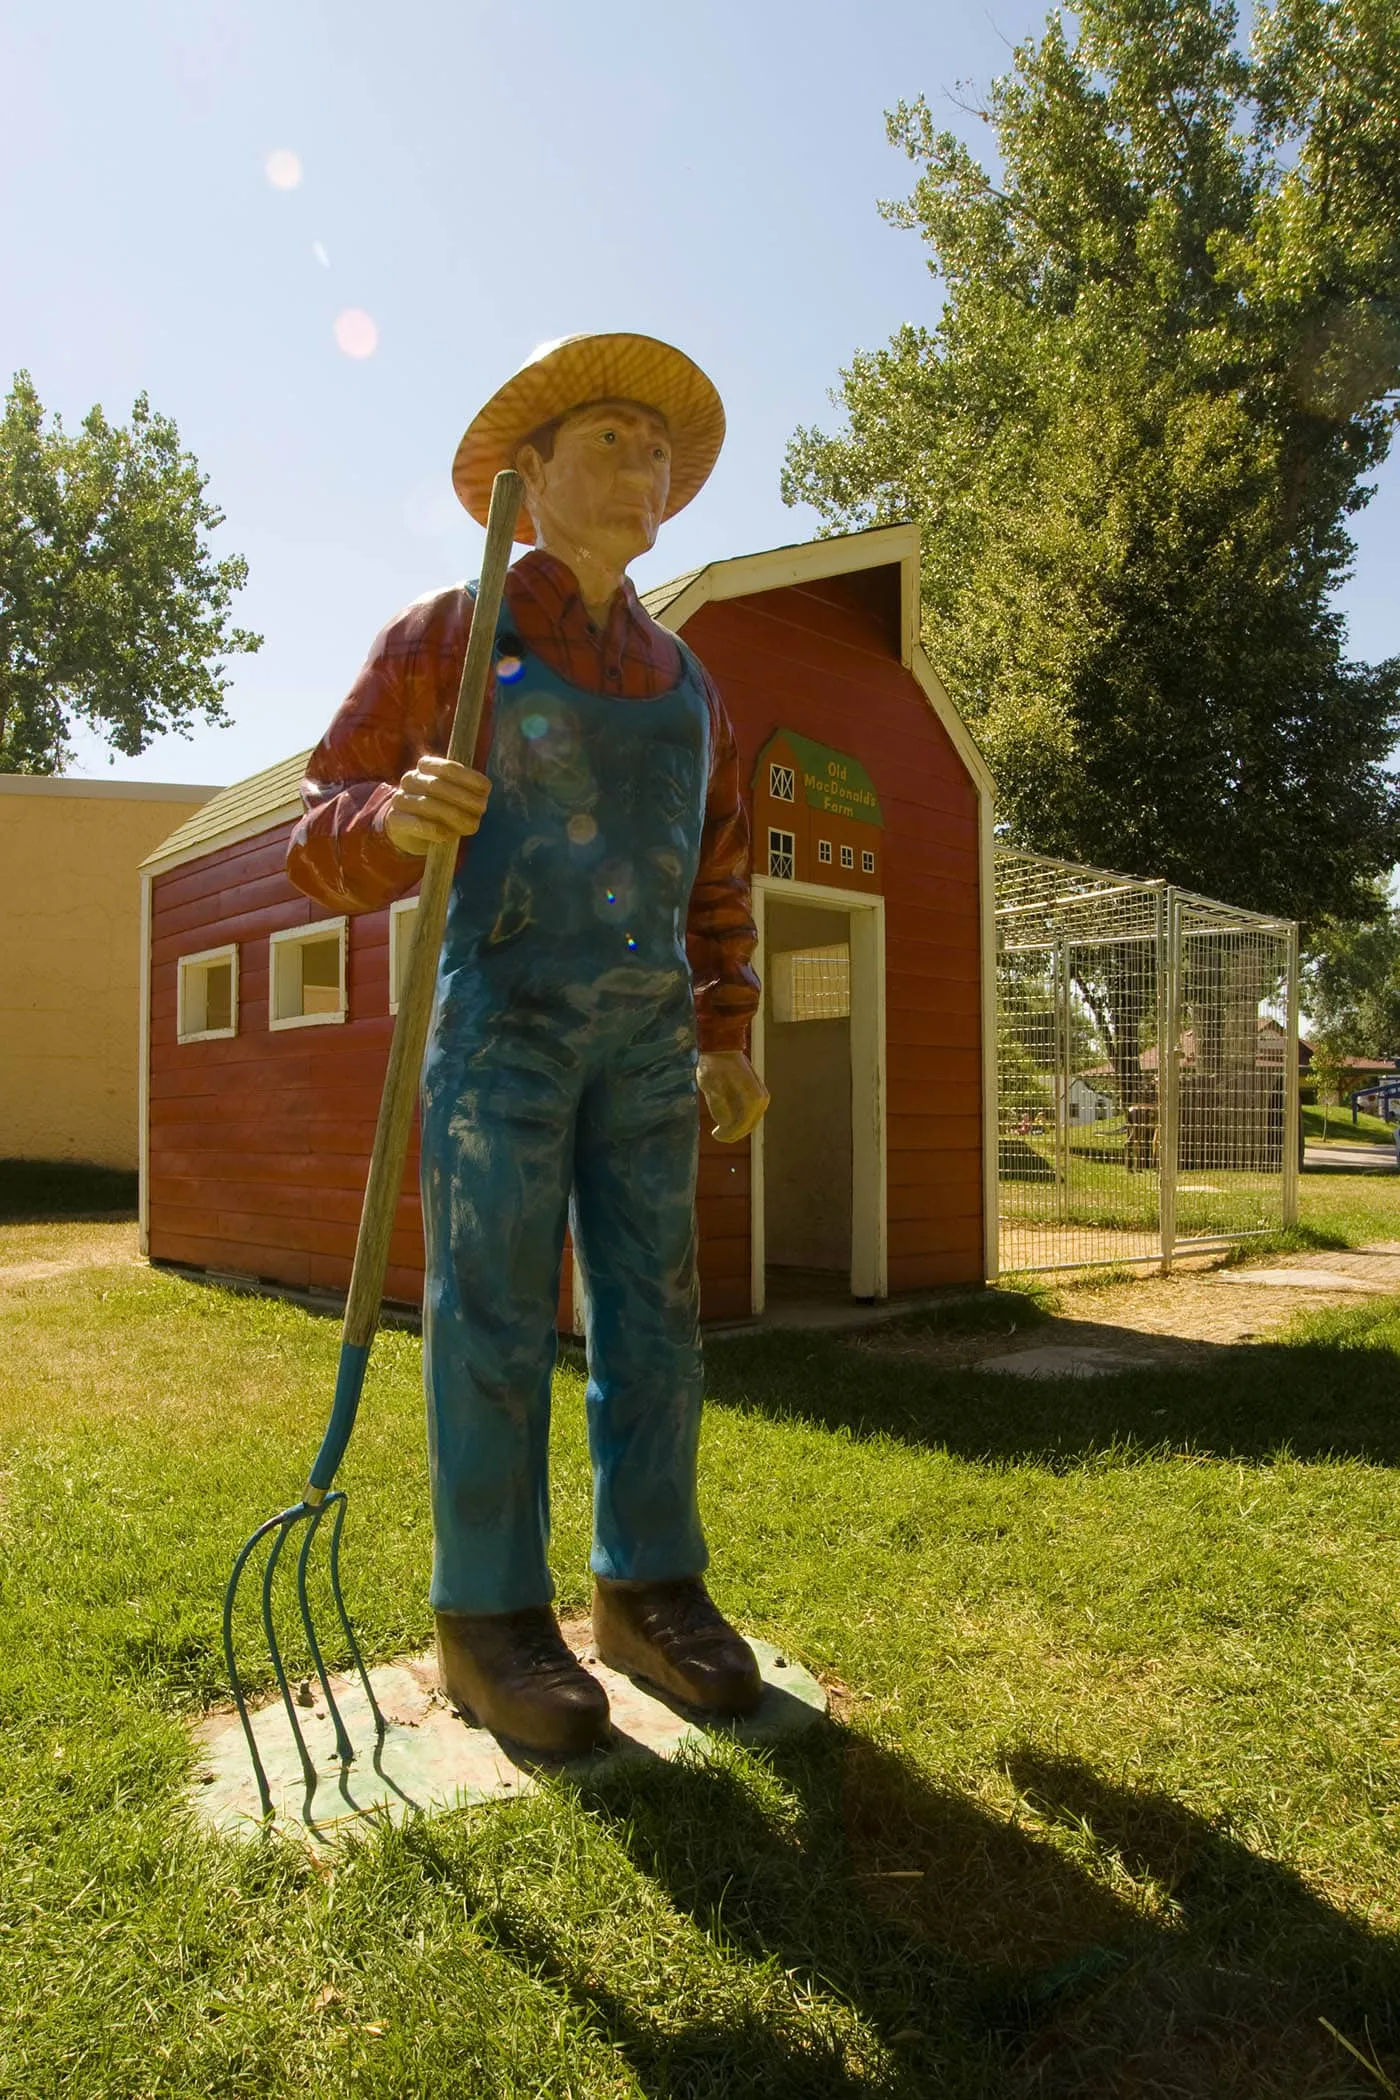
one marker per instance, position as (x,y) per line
(658,452)
(609,437)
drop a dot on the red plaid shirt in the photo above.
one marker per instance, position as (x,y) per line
(401,705)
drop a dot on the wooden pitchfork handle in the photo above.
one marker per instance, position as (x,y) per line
(400,1094)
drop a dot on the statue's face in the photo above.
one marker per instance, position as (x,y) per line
(604,488)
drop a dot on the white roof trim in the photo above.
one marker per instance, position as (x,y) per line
(233,835)
(745,575)
(936,694)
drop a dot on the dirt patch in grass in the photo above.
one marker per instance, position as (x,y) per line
(1155,1320)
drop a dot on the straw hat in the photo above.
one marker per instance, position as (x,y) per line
(569,374)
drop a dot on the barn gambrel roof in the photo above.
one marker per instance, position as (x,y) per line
(273,796)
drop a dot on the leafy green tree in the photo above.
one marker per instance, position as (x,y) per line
(1133,435)
(1329,1070)
(1351,982)
(112,610)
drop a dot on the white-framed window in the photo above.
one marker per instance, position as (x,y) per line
(824,852)
(306,975)
(206,997)
(782,854)
(848,856)
(782,783)
(402,921)
(867,861)
(812,984)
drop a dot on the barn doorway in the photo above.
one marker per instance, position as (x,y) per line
(818,1156)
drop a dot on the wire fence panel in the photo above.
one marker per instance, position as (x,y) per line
(1144,1042)
(1230,1080)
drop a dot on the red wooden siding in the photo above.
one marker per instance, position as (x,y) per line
(823,658)
(259,1144)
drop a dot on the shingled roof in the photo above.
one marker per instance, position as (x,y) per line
(247,806)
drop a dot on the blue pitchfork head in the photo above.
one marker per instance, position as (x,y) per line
(320,1500)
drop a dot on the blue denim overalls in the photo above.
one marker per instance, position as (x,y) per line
(562,1055)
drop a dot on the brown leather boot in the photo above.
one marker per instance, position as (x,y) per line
(674,1636)
(515,1674)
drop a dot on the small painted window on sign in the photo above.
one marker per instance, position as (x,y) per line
(782,783)
(782,847)
(824,852)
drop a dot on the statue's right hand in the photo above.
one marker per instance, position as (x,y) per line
(435,803)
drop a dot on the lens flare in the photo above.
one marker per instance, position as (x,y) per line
(508,669)
(582,829)
(283,168)
(318,249)
(533,727)
(356,333)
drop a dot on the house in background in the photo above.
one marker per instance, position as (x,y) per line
(1087,1103)
(70,960)
(1359,1072)
(268,1022)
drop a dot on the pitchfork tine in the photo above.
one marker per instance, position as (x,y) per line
(343,1748)
(308,1770)
(279,1522)
(359,1661)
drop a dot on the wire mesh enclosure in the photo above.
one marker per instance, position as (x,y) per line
(1147,1056)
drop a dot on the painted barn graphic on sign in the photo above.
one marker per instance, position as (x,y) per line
(816,816)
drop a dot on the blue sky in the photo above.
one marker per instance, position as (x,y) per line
(475,179)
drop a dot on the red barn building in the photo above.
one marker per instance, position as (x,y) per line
(267,1025)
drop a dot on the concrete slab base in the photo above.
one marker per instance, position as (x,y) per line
(430,1760)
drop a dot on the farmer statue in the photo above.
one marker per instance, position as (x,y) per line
(596,966)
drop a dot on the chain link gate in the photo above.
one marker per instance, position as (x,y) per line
(1147,1056)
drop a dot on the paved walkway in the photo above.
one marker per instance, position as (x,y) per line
(1340,1158)
(1177,1320)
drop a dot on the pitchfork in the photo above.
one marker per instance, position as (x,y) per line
(385,1179)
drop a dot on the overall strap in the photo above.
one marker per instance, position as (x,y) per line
(504,629)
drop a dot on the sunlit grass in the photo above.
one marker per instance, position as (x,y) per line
(1112,1804)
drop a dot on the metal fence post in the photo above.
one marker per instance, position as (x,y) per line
(1061,1082)
(1292,1106)
(1168,1071)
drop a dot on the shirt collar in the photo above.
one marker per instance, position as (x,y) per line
(554,586)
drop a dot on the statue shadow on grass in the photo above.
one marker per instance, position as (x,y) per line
(987,1959)
(1240,1401)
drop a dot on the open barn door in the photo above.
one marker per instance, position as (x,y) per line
(819,1042)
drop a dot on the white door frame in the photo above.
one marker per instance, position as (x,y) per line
(869,1207)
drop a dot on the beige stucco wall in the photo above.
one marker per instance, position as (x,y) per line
(70,971)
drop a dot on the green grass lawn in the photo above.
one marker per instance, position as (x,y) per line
(1111,1807)
(1366,1130)
(1347,1209)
